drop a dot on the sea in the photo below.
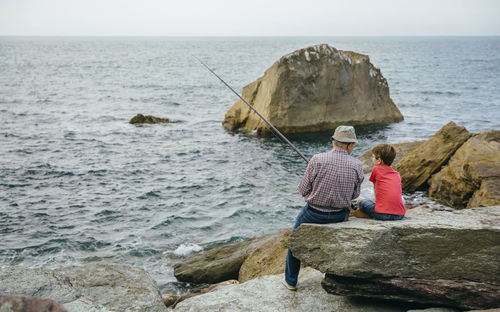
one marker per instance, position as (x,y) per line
(79,184)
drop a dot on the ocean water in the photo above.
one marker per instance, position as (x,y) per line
(79,184)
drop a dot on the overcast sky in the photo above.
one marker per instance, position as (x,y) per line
(249,18)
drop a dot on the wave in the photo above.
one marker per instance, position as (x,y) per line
(186,249)
(171,220)
(148,195)
(440,93)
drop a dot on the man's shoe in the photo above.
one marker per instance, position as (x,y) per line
(292,288)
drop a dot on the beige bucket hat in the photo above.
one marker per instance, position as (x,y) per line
(345,134)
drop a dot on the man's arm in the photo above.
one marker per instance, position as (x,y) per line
(357,186)
(305,186)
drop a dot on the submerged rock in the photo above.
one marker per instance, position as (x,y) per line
(221,262)
(92,287)
(418,166)
(315,89)
(472,176)
(141,119)
(434,258)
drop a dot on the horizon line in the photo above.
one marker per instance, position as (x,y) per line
(271,36)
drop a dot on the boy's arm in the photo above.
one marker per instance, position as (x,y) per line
(373,179)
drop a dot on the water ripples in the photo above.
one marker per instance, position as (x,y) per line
(79,184)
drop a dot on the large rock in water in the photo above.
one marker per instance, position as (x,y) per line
(437,258)
(472,176)
(315,89)
(418,166)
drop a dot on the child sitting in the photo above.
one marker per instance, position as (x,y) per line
(388,203)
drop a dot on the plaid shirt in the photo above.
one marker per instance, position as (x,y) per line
(332,179)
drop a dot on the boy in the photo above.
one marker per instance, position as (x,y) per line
(388,203)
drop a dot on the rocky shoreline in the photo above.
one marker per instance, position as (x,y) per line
(426,260)
(445,259)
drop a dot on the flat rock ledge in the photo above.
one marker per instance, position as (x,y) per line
(268,294)
(95,287)
(435,258)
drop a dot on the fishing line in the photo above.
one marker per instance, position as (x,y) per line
(275,131)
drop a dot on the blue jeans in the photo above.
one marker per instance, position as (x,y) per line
(292,267)
(368,206)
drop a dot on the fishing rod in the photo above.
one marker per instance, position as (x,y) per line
(274,130)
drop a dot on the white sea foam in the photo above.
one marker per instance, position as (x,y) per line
(186,249)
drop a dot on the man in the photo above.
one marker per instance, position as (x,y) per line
(331,181)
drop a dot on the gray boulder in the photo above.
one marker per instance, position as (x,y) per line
(435,258)
(92,287)
(315,89)
(116,287)
(37,282)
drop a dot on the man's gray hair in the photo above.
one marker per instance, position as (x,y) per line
(340,144)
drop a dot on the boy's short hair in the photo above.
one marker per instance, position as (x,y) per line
(386,152)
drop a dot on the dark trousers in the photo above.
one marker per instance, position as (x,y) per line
(292,267)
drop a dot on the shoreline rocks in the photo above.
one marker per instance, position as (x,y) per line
(472,176)
(91,287)
(459,169)
(426,249)
(417,167)
(315,89)
(266,293)
(223,262)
